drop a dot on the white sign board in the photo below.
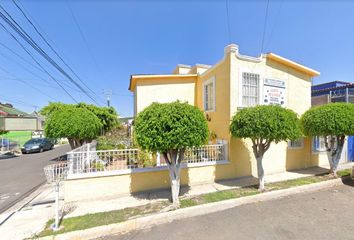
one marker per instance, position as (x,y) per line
(274,92)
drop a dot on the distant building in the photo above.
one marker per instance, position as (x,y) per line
(7,109)
(12,119)
(336,91)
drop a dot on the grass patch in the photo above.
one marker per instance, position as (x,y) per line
(18,136)
(345,172)
(105,218)
(102,218)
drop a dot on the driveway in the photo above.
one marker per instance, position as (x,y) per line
(19,176)
(326,214)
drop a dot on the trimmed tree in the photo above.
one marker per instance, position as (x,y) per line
(170,128)
(264,125)
(78,125)
(107,115)
(333,122)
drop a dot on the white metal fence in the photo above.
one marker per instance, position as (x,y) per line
(87,160)
(9,145)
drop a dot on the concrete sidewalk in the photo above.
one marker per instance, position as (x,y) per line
(29,216)
(120,202)
(32,217)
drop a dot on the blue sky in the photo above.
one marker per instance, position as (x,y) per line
(130,37)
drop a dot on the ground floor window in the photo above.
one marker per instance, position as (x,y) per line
(318,144)
(298,143)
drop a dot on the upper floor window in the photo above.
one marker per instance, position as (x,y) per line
(209,94)
(250,89)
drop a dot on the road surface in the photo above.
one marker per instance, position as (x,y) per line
(21,175)
(326,214)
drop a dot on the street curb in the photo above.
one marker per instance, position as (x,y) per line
(166,217)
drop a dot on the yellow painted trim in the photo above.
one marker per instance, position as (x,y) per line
(134,78)
(297,66)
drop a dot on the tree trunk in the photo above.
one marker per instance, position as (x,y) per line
(334,151)
(173,160)
(72,143)
(260,146)
(260,173)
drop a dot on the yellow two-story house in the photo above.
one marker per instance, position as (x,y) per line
(238,81)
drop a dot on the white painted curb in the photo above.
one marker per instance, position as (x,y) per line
(161,218)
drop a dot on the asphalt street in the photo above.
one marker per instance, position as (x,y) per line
(19,176)
(326,214)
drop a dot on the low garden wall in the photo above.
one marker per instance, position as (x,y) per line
(124,182)
(109,173)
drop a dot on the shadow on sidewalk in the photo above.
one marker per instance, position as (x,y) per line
(159,194)
(239,182)
(311,170)
(348,181)
(7,156)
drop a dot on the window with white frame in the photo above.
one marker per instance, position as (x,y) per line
(318,144)
(250,89)
(295,144)
(209,94)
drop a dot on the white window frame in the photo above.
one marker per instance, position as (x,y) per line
(205,83)
(299,140)
(319,149)
(260,87)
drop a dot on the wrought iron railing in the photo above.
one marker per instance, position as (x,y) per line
(111,160)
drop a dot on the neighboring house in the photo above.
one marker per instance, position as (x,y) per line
(336,91)
(238,81)
(12,119)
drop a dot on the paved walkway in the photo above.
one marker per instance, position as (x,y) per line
(326,214)
(33,216)
(109,204)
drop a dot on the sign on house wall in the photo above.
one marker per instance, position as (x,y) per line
(274,92)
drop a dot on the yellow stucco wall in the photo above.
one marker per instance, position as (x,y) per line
(164,90)
(227,75)
(279,157)
(124,184)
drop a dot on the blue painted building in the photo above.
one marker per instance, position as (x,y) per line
(336,91)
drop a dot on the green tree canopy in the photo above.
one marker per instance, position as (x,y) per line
(107,115)
(331,119)
(267,122)
(333,122)
(162,127)
(263,125)
(170,128)
(79,125)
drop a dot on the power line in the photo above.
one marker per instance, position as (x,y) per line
(36,75)
(274,24)
(17,28)
(83,37)
(228,20)
(18,102)
(25,68)
(108,93)
(265,26)
(19,56)
(26,83)
(25,49)
(51,47)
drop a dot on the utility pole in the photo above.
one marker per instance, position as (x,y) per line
(108,93)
